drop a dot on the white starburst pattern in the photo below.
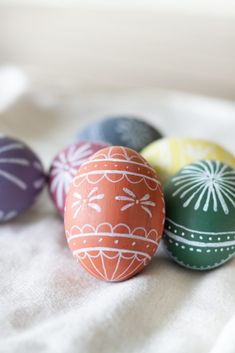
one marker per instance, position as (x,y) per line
(132,200)
(16,161)
(65,167)
(205,182)
(90,201)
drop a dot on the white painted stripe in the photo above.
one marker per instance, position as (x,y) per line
(125,272)
(199,232)
(124,172)
(11,146)
(197,243)
(20,161)
(110,249)
(118,161)
(95,268)
(103,266)
(112,235)
(117,265)
(14,179)
(90,270)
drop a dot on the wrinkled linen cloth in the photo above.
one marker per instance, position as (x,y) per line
(49,304)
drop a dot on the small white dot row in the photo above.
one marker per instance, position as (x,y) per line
(195,267)
(200,237)
(115,165)
(200,250)
(115,242)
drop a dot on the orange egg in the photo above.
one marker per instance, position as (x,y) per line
(114,214)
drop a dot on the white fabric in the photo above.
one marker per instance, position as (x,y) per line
(49,304)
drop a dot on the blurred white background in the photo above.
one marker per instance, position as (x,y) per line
(89,45)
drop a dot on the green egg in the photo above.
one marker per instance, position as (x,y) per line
(200,215)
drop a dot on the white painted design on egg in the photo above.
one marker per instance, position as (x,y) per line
(88,230)
(64,168)
(91,201)
(118,244)
(132,199)
(204,178)
(16,161)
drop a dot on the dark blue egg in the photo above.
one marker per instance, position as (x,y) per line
(120,131)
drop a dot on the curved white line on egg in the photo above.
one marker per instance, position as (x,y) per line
(198,243)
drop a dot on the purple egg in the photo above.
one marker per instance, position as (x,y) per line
(21,177)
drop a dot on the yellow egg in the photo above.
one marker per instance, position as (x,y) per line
(168,155)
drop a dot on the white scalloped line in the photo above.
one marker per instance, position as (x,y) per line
(123,153)
(120,256)
(89,229)
(79,179)
(120,251)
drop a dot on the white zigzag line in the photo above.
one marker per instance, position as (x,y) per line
(198,232)
(84,250)
(112,235)
(197,243)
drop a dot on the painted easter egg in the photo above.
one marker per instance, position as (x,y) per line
(200,215)
(114,214)
(21,177)
(168,155)
(64,167)
(121,131)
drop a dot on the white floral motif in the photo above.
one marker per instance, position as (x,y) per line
(132,200)
(213,180)
(91,201)
(65,167)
